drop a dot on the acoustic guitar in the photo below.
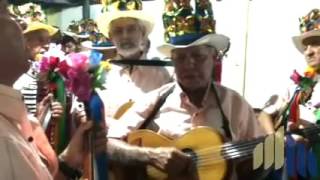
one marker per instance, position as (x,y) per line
(203,144)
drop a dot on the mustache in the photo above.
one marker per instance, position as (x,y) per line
(127,45)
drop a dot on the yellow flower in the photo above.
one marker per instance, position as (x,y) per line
(38,57)
(310,72)
(105,65)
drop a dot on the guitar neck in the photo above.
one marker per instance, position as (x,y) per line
(241,149)
(244,149)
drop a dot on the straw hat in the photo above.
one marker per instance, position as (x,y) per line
(185,27)
(121,9)
(309,27)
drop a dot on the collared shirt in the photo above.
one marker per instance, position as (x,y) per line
(277,103)
(27,85)
(22,143)
(178,115)
(125,84)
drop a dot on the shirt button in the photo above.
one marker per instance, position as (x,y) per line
(30,139)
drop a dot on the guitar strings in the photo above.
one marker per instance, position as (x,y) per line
(217,155)
(230,146)
(208,156)
(230,151)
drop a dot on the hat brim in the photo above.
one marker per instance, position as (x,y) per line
(220,42)
(34,26)
(298,40)
(80,36)
(106,18)
(89,45)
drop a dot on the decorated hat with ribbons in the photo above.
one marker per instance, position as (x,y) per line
(115,9)
(81,29)
(87,31)
(309,28)
(186,25)
(31,17)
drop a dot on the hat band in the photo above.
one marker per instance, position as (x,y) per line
(102,44)
(185,39)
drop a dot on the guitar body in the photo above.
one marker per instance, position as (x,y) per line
(198,142)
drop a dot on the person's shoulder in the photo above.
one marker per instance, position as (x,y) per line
(7,130)
(162,89)
(229,95)
(223,90)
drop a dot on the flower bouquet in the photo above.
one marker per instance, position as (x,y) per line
(83,75)
(53,81)
(79,74)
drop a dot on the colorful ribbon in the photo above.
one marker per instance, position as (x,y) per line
(96,114)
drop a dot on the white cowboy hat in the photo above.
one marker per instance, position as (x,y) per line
(106,18)
(298,40)
(90,45)
(218,41)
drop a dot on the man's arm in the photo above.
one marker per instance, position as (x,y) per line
(170,160)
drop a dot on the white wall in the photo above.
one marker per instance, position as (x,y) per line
(262,55)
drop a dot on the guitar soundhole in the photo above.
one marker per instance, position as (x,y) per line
(191,153)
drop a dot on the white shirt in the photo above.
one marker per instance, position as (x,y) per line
(27,85)
(123,86)
(20,158)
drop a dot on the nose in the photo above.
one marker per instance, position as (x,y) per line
(309,51)
(190,62)
(124,33)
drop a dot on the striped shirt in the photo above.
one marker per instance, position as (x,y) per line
(27,85)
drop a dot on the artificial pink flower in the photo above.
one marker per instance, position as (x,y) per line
(79,83)
(53,62)
(296,77)
(44,65)
(79,61)
(49,64)
(64,68)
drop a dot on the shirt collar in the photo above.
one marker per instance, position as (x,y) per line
(208,100)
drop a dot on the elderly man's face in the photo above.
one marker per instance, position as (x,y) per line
(194,65)
(37,42)
(312,51)
(128,35)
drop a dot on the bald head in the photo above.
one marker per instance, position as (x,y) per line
(12,51)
